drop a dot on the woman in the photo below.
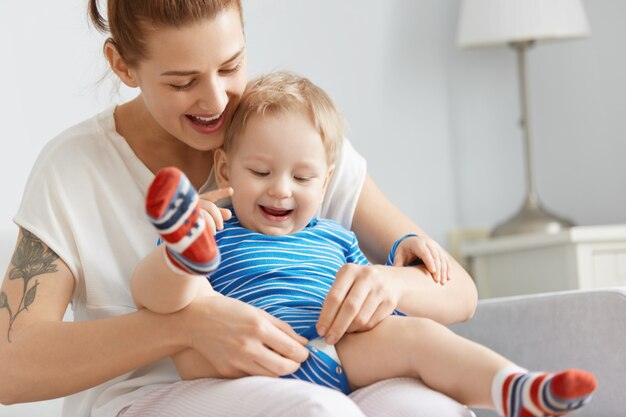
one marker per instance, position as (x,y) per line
(82,231)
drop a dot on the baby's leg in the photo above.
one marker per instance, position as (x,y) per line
(421,348)
(174,273)
(170,276)
(156,287)
(460,368)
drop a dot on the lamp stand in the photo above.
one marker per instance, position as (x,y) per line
(532,217)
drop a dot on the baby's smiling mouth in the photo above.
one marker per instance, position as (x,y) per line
(275,212)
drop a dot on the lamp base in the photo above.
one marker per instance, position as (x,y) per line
(532,218)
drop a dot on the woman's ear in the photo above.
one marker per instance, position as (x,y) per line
(119,66)
(220,166)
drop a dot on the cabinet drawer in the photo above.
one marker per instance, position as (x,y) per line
(609,267)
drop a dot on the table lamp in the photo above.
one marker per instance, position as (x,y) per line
(519,24)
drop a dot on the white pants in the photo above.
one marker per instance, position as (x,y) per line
(272,397)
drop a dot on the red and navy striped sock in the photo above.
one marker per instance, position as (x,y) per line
(518,393)
(172,207)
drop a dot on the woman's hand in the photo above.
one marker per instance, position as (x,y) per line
(358,300)
(241,340)
(214,215)
(428,251)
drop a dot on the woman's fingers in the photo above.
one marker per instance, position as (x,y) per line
(280,349)
(364,318)
(332,303)
(287,329)
(348,311)
(384,310)
(356,295)
(239,339)
(281,354)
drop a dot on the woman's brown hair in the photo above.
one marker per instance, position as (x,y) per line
(127,21)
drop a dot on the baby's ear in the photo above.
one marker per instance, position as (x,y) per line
(220,166)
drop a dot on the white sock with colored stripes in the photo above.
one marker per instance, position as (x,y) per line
(172,207)
(519,393)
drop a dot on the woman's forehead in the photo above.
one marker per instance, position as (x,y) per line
(206,42)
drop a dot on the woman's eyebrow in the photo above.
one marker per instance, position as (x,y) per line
(195,72)
(180,73)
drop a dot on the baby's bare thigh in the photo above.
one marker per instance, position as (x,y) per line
(386,351)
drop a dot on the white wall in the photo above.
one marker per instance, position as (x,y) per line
(437,124)
(577,103)
(385,65)
(50,68)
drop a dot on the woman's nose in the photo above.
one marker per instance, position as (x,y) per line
(214,98)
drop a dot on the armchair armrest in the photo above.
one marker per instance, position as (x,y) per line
(572,329)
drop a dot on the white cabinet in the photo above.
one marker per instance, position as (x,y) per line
(580,257)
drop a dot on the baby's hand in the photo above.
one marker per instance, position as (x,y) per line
(435,258)
(214,215)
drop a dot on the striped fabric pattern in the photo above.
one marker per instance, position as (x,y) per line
(322,370)
(287,276)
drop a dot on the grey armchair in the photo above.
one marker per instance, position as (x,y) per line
(574,329)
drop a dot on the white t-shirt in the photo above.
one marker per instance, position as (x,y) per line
(85,200)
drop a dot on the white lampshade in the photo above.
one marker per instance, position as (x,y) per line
(493,22)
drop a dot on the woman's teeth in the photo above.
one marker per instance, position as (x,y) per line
(206,121)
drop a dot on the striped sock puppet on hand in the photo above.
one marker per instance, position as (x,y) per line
(172,207)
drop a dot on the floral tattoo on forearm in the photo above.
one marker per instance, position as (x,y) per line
(31,258)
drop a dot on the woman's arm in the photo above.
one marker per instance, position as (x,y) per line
(378,224)
(42,357)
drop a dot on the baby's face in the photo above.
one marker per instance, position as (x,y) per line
(278,172)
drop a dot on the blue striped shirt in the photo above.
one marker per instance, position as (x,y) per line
(287,276)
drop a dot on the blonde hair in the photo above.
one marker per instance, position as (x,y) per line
(283,92)
(128,21)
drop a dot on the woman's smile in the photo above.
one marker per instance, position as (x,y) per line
(206,124)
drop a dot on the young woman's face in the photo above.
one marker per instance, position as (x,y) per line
(278,172)
(193,78)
